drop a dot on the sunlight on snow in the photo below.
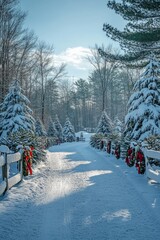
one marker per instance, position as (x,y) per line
(98,172)
(62,185)
(123,214)
(154,203)
(117,166)
(65,174)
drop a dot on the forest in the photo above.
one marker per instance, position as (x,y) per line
(109,85)
(26,58)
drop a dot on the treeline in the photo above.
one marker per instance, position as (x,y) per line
(29,60)
(24,57)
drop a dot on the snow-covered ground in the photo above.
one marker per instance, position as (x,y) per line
(80,193)
(86,135)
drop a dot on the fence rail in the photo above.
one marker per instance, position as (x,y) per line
(152,157)
(6,159)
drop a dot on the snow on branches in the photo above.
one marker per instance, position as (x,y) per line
(143,118)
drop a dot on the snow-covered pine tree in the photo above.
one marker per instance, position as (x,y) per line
(22,139)
(51,132)
(117,129)
(143,118)
(40,128)
(18,124)
(15,112)
(68,131)
(58,127)
(104,125)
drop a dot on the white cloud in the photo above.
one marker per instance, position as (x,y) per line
(76,60)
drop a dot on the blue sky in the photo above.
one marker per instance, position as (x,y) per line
(72,27)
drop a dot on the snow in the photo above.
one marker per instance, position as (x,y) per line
(81,193)
(142,119)
(4,149)
(13,157)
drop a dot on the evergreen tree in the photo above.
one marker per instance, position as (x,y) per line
(83,95)
(15,112)
(141,34)
(96,140)
(104,125)
(68,131)
(58,127)
(117,127)
(40,128)
(23,139)
(143,116)
(51,132)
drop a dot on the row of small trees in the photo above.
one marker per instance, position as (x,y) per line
(143,118)
(55,130)
(139,42)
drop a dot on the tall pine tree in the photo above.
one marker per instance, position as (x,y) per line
(143,118)
(141,34)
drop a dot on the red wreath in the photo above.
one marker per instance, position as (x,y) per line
(140,162)
(117,151)
(28,155)
(109,147)
(130,157)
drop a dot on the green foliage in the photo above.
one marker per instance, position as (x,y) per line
(95,140)
(15,112)
(141,35)
(153,142)
(23,139)
(39,128)
(52,132)
(68,131)
(58,128)
(105,125)
(142,119)
(51,141)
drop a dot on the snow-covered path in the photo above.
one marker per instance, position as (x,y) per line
(81,193)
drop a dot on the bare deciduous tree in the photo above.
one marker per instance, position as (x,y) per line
(46,71)
(104,72)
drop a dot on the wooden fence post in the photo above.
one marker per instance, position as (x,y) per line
(21,166)
(5,162)
(6,170)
